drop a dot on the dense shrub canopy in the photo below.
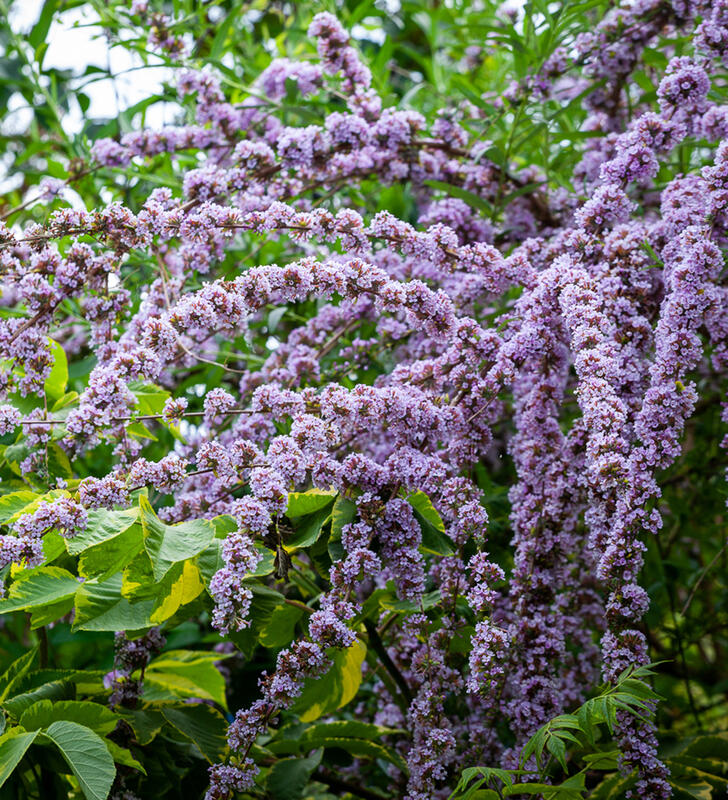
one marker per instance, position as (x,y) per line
(361,426)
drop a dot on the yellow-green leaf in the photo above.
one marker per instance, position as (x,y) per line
(55,383)
(301,503)
(340,684)
(185,589)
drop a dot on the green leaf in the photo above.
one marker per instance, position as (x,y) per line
(483,774)
(210,560)
(29,508)
(54,546)
(429,600)
(185,673)
(14,455)
(146,723)
(204,726)
(183,589)
(39,587)
(15,672)
(140,431)
(217,48)
(170,544)
(55,383)
(264,603)
(278,630)
(343,512)
(362,748)
(613,788)
(102,526)
(59,464)
(302,503)
(89,681)
(711,771)
(434,538)
(289,777)
(138,579)
(371,607)
(54,690)
(105,559)
(67,399)
(576,783)
(13,746)
(86,755)
(42,713)
(224,524)
(150,398)
(308,529)
(700,790)
(714,746)
(39,31)
(603,761)
(14,502)
(123,756)
(357,738)
(557,748)
(482,794)
(346,727)
(422,504)
(340,684)
(266,565)
(101,607)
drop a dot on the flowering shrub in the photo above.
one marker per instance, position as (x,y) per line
(361,441)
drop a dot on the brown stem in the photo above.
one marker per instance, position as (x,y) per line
(142,418)
(298,604)
(44,649)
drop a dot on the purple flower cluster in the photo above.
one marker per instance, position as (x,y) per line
(232,597)
(130,656)
(25,544)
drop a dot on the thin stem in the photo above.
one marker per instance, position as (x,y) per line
(141,418)
(679,641)
(702,575)
(298,604)
(67,182)
(378,646)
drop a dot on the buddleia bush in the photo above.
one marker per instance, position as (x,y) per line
(362,428)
